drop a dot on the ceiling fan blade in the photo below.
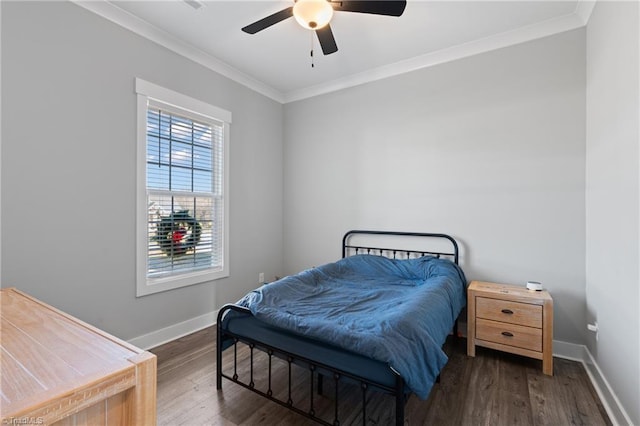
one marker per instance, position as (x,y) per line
(376,7)
(327,42)
(268,21)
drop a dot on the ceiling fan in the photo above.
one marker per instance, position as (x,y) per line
(316,14)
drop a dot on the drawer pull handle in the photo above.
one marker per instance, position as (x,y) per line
(506,333)
(507,311)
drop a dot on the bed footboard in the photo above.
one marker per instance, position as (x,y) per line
(318,371)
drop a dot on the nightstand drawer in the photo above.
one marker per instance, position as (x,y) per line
(510,312)
(509,334)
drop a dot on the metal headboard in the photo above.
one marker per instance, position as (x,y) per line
(382,251)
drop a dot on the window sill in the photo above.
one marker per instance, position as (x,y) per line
(148,286)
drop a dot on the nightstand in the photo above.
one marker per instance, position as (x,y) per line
(512,319)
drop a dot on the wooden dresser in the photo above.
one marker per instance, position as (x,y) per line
(511,319)
(58,369)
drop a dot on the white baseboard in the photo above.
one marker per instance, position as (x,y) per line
(175,331)
(610,401)
(572,351)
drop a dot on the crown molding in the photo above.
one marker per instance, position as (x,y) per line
(584,8)
(494,42)
(126,20)
(107,10)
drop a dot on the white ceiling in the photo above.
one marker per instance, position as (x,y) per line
(277,62)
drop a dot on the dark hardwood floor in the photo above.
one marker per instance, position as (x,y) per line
(493,388)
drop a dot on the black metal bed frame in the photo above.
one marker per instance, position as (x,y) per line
(317,368)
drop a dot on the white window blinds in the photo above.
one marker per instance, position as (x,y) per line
(184,193)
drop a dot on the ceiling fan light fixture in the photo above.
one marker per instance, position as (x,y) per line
(313,14)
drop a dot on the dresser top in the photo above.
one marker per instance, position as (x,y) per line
(45,352)
(510,292)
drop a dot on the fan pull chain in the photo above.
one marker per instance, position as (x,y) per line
(312,58)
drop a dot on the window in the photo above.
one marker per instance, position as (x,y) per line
(182,209)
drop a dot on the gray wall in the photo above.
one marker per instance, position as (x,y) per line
(613,196)
(69,170)
(489,149)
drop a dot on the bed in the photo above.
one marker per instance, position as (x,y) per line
(378,318)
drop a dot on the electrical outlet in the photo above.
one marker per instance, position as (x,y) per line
(261,278)
(594,327)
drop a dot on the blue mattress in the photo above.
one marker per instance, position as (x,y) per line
(363,314)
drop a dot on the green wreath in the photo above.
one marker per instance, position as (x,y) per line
(178,233)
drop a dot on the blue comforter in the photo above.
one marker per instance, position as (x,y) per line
(395,311)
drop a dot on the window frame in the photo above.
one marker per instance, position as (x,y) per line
(197,110)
